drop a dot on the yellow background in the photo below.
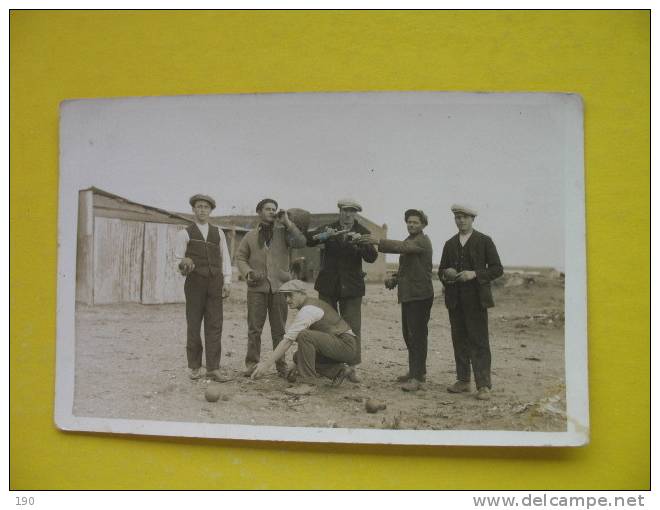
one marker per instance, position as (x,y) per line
(604,56)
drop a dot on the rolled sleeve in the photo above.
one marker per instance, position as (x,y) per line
(181,243)
(307,316)
(226,257)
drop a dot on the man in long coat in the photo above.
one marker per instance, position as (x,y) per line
(469,263)
(340,282)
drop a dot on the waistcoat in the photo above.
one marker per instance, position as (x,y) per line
(205,254)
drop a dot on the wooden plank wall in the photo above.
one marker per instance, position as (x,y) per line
(118,255)
(161,281)
(85,248)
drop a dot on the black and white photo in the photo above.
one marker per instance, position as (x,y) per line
(395,267)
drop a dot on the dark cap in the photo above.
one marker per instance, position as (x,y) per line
(206,198)
(416,212)
(265,201)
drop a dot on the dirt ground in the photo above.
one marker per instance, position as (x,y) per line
(130,363)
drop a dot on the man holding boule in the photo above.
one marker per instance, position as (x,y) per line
(203,258)
(263,260)
(415,292)
(469,263)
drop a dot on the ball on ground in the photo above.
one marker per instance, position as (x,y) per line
(373,406)
(212,394)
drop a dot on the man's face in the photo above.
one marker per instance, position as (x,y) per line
(463,222)
(267,212)
(295,300)
(347,215)
(202,210)
(414,225)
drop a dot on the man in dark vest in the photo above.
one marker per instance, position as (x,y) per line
(469,263)
(325,341)
(204,260)
(340,282)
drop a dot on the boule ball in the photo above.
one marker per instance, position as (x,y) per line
(450,274)
(212,394)
(373,407)
(300,217)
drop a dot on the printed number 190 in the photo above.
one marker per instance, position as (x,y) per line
(22,501)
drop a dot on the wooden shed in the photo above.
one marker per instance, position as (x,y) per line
(311,256)
(126,250)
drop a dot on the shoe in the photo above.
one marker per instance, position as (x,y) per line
(195,373)
(459,387)
(248,371)
(292,375)
(216,376)
(407,377)
(483,393)
(282,371)
(411,385)
(344,373)
(353,376)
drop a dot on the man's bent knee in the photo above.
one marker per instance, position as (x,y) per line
(304,336)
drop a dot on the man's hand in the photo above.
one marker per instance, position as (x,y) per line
(254,277)
(226,290)
(391,282)
(283,218)
(325,235)
(465,276)
(368,239)
(259,370)
(186,266)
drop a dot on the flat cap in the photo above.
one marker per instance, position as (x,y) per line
(206,198)
(265,201)
(416,212)
(293,286)
(349,202)
(465,209)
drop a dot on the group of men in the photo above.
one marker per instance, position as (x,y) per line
(327,329)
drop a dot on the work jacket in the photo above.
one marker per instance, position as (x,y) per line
(479,255)
(415,275)
(271,261)
(341,274)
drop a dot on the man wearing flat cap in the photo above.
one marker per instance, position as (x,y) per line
(414,280)
(263,260)
(469,263)
(203,258)
(325,341)
(340,282)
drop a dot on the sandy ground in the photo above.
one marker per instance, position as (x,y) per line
(130,363)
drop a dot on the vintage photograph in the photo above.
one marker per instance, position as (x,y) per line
(393,267)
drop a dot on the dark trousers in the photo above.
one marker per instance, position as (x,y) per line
(469,334)
(204,303)
(350,309)
(260,305)
(415,317)
(323,354)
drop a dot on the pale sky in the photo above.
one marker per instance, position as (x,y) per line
(502,153)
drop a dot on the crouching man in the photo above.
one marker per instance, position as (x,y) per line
(325,341)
